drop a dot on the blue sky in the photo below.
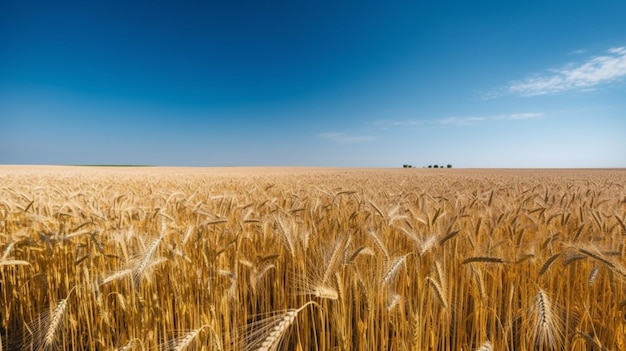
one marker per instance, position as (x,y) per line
(291,83)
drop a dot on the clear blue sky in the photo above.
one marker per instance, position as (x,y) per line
(314,83)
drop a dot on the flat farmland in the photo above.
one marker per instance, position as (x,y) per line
(150,258)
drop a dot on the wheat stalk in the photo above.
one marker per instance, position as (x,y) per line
(14,263)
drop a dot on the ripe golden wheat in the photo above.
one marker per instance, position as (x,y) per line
(311,259)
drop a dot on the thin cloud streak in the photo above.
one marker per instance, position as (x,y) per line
(465,121)
(461,121)
(576,52)
(407,123)
(343,138)
(521,116)
(586,76)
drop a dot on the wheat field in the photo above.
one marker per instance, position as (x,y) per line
(99,258)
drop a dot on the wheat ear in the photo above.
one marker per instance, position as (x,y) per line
(548,263)
(271,331)
(147,257)
(334,259)
(487,259)
(393,300)
(486,346)
(439,291)
(363,250)
(547,328)
(593,275)
(590,340)
(379,243)
(7,252)
(115,276)
(325,292)
(393,269)
(55,319)
(427,244)
(54,323)
(183,342)
(129,345)
(146,261)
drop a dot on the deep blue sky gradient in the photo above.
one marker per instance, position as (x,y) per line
(312,83)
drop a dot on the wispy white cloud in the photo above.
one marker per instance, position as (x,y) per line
(584,76)
(407,123)
(343,138)
(519,116)
(464,121)
(576,52)
(461,121)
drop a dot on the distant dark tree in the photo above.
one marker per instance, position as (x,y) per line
(430,166)
(449,166)
(407,166)
(435,166)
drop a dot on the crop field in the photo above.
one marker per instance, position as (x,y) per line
(307,259)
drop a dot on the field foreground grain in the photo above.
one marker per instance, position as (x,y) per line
(97,258)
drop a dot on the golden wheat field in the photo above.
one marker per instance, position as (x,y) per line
(98,258)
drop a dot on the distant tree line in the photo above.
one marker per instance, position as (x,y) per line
(429,166)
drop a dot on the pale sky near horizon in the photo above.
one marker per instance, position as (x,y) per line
(288,83)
